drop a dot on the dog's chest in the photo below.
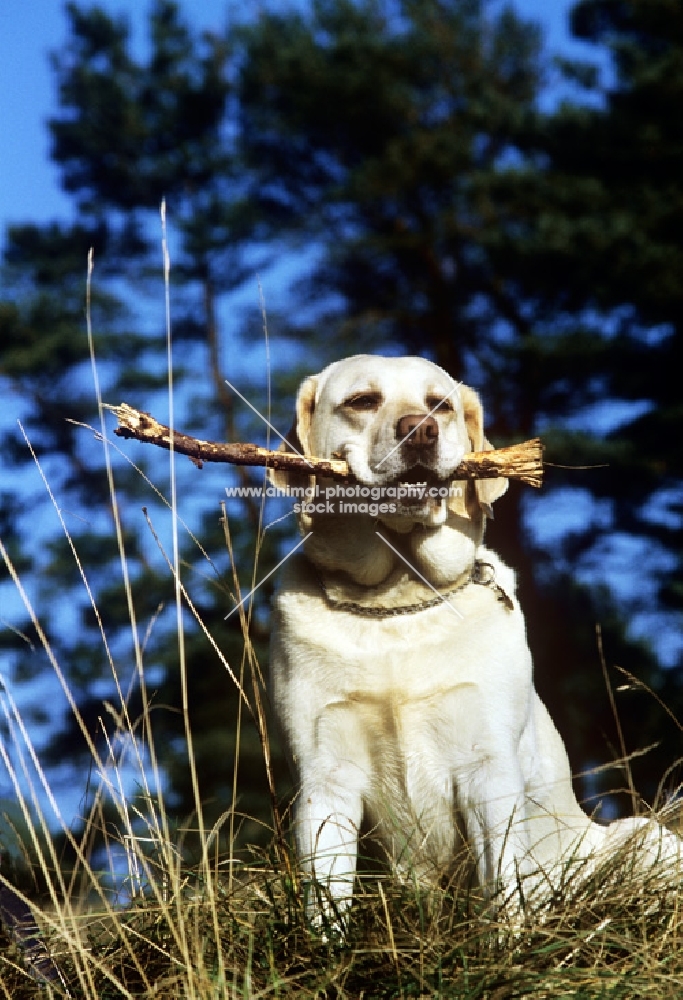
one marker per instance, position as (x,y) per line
(328,652)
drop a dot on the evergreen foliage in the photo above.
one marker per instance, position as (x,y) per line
(400,150)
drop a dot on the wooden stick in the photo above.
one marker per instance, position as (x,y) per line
(519,461)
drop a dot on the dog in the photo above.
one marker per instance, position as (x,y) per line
(401,677)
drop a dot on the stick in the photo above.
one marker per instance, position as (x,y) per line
(519,461)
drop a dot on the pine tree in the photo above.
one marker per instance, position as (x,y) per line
(127,134)
(400,150)
(458,220)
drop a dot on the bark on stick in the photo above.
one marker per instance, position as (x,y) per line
(519,461)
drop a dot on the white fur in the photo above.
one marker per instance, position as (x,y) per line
(427,723)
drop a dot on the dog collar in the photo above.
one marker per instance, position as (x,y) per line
(481,573)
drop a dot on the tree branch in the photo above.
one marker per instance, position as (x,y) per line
(519,461)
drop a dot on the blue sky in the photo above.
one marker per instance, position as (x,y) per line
(29,183)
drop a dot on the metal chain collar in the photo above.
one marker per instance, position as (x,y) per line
(482,573)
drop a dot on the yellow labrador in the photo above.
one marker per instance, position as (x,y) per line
(401,675)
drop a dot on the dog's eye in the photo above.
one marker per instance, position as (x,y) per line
(364,401)
(439,403)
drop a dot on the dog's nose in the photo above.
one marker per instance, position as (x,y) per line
(423,431)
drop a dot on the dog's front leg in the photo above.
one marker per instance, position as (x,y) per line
(328,813)
(327,822)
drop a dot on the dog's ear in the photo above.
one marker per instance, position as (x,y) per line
(298,436)
(305,408)
(487,490)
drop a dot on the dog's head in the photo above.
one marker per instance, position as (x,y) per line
(396,422)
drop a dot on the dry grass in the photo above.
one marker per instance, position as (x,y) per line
(226,928)
(614,937)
